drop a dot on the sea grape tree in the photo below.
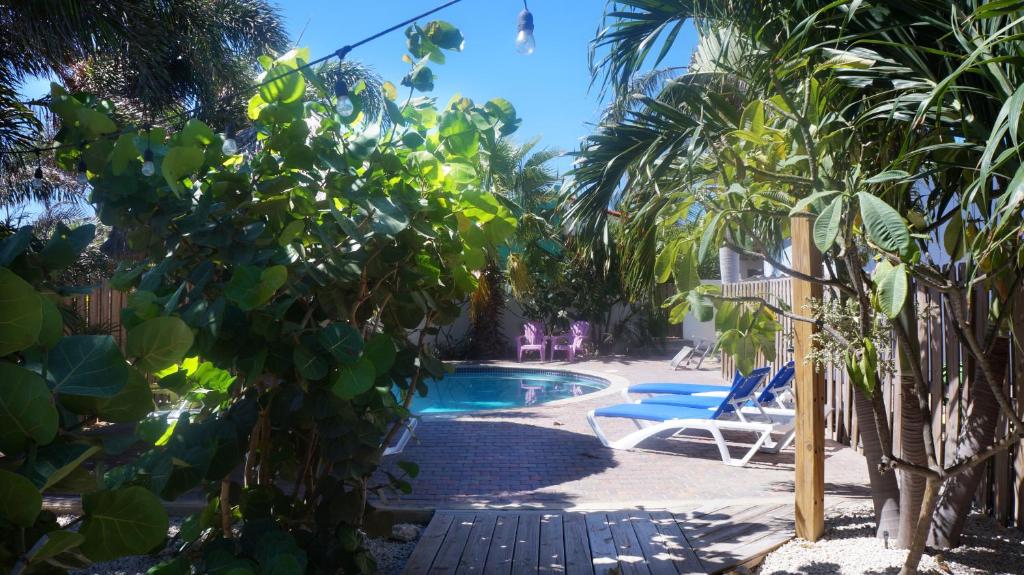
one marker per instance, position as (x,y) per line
(302,278)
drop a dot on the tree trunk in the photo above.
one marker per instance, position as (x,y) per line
(912,447)
(912,485)
(885,492)
(920,535)
(977,433)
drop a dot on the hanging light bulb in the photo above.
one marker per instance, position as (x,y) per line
(37,178)
(230,147)
(83,177)
(344,105)
(525,43)
(148,168)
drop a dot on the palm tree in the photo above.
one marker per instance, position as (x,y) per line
(525,182)
(854,89)
(148,57)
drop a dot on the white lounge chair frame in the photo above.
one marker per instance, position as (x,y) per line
(763,431)
(407,432)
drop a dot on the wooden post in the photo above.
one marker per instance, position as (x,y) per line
(809,389)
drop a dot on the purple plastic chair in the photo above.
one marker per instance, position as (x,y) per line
(532,340)
(573,342)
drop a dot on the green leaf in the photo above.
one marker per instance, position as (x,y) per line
(342,341)
(887,176)
(90,365)
(884,224)
(685,270)
(826,226)
(123,153)
(133,403)
(26,410)
(444,35)
(458,134)
(20,501)
(387,217)
(55,543)
(179,162)
(56,461)
(805,203)
(309,364)
(291,232)
(354,379)
(701,306)
(892,286)
(250,287)
(159,343)
(14,245)
(953,238)
(121,522)
(53,323)
(283,85)
(22,317)
(380,350)
(197,132)
(94,123)
(66,246)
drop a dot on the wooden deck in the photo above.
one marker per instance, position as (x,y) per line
(708,540)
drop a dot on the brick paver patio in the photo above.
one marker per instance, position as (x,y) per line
(547,456)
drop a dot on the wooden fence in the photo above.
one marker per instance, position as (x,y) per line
(949,370)
(100,311)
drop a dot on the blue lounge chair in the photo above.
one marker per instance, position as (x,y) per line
(768,397)
(653,418)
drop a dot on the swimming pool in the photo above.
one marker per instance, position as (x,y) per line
(479,388)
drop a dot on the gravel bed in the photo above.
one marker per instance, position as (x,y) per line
(849,547)
(391,555)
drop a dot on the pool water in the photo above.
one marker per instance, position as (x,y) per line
(479,388)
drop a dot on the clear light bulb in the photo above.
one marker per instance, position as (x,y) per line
(343,105)
(37,178)
(525,42)
(83,177)
(148,167)
(230,147)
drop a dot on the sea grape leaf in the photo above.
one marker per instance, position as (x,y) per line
(159,343)
(90,365)
(129,521)
(26,409)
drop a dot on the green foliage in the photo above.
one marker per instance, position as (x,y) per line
(282,296)
(47,382)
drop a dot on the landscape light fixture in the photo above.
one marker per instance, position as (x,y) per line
(525,43)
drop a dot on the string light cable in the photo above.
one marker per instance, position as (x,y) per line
(340,89)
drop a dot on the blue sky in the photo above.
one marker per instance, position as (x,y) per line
(550,88)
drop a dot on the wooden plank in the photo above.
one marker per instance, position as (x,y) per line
(447,560)
(738,555)
(683,555)
(527,550)
(727,529)
(503,543)
(577,545)
(423,555)
(657,554)
(552,545)
(809,385)
(627,546)
(602,545)
(474,557)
